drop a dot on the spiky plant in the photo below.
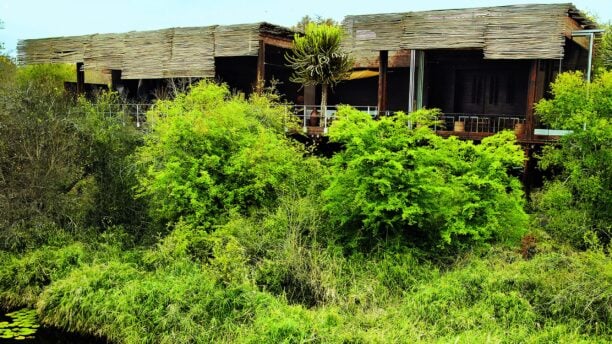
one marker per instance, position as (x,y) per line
(318,59)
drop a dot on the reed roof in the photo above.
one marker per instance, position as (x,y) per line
(535,31)
(166,53)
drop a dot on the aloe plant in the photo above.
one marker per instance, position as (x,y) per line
(317,58)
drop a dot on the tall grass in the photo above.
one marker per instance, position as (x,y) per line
(200,287)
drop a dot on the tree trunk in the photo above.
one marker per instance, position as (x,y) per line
(324,104)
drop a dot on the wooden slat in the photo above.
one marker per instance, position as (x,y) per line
(237,40)
(504,32)
(167,53)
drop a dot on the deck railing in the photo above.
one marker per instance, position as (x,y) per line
(478,123)
(312,122)
(137,111)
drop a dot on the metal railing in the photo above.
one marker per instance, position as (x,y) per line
(311,119)
(311,116)
(136,111)
(477,123)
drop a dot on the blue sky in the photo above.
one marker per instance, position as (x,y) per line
(51,18)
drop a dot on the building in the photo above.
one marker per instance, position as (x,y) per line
(483,67)
(138,63)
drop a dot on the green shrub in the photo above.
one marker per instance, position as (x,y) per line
(393,180)
(209,154)
(23,278)
(110,140)
(577,200)
(74,172)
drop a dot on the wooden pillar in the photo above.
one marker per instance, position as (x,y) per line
(261,68)
(531,99)
(383,63)
(80,78)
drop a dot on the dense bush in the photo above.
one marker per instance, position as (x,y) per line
(385,297)
(254,254)
(578,199)
(110,139)
(209,154)
(42,178)
(393,180)
(63,163)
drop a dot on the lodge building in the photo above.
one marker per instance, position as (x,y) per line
(483,67)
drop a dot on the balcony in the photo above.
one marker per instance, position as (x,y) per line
(468,126)
(477,126)
(314,124)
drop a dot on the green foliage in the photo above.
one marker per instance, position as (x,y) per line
(23,325)
(603,52)
(111,140)
(7,72)
(63,164)
(209,154)
(389,296)
(301,25)
(578,199)
(23,278)
(317,58)
(575,103)
(42,179)
(392,180)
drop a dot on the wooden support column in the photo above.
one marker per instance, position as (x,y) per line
(532,90)
(80,78)
(383,63)
(261,68)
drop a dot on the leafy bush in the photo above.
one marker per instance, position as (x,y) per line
(578,199)
(23,278)
(110,140)
(575,103)
(42,178)
(393,180)
(63,164)
(209,154)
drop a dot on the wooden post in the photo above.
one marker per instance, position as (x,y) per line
(531,99)
(80,80)
(383,63)
(261,67)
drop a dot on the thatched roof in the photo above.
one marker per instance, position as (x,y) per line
(174,52)
(504,32)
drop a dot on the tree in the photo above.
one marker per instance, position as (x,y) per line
(317,58)
(1,43)
(604,50)
(301,25)
(393,181)
(63,164)
(577,200)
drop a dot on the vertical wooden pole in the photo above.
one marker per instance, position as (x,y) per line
(531,99)
(261,68)
(383,63)
(80,83)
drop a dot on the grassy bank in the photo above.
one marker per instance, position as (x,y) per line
(171,294)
